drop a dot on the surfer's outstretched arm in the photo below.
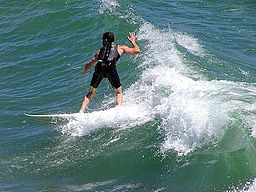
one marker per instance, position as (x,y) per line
(89,64)
(130,50)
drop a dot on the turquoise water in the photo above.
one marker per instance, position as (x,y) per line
(188,122)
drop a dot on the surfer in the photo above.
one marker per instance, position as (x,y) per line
(106,59)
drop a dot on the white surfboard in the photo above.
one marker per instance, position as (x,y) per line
(78,124)
(54,118)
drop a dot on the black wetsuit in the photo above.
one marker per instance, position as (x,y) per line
(106,66)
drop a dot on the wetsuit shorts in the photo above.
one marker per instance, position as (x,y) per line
(104,71)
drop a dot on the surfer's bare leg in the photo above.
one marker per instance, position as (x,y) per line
(119,96)
(87,99)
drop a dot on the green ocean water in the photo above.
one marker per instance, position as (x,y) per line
(188,123)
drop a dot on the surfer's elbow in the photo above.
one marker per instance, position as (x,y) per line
(136,51)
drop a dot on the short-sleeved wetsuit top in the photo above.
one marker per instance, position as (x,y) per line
(106,66)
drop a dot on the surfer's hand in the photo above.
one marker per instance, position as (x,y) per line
(131,37)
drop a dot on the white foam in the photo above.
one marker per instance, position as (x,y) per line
(194,113)
(189,118)
(250,121)
(249,187)
(118,117)
(108,5)
(189,43)
(160,49)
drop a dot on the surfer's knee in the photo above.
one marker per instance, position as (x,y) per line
(91,93)
(118,91)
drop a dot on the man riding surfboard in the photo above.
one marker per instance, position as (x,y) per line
(106,59)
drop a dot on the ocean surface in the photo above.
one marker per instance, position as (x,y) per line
(188,123)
